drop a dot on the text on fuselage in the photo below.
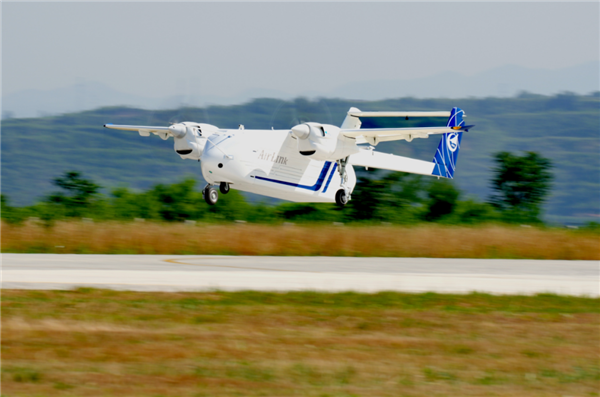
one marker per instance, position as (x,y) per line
(273,157)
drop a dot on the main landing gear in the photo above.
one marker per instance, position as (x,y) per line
(342,196)
(211,195)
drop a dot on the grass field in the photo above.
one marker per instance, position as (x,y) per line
(492,241)
(106,343)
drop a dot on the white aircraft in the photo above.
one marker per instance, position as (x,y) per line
(312,162)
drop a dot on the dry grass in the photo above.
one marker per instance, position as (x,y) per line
(419,241)
(108,343)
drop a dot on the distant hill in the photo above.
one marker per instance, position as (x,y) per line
(505,81)
(564,128)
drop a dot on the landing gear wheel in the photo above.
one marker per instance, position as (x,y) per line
(224,187)
(341,198)
(211,195)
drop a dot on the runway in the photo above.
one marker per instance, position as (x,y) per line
(230,273)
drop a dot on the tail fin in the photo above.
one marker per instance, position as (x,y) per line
(456,118)
(447,151)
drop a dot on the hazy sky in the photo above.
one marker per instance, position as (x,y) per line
(159,49)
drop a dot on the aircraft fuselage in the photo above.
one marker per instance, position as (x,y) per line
(268,162)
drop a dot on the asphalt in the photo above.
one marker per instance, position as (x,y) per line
(194,273)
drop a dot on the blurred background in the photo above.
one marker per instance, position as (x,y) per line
(526,75)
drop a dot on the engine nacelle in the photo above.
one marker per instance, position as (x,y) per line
(323,142)
(190,138)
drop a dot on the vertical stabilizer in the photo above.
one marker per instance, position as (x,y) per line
(447,151)
(456,118)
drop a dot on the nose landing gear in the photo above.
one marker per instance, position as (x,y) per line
(211,195)
(224,187)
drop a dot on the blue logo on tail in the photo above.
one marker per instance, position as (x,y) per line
(452,141)
(447,151)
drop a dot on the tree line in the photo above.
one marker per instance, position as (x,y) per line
(520,183)
(563,127)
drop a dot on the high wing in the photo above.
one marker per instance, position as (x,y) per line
(371,159)
(354,112)
(351,126)
(444,159)
(175,130)
(376,135)
(137,128)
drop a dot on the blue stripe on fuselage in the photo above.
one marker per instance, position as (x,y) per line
(314,187)
(330,177)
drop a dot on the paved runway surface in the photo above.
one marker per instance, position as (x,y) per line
(193,273)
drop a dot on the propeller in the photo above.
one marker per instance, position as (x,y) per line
(285,115)
(289,113)
(178,130)
(301,131)
(310,138)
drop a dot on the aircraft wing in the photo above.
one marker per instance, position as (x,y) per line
(444,160)
(136,128)
(144,130)
(354,112)
(376,135)
(385,161)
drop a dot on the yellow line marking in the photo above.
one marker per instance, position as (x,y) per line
(177,261)
(92,283)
